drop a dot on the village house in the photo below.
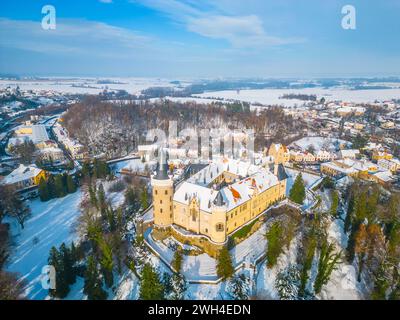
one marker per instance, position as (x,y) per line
(24,177)
(280,152)
(362,169)
(381,155)
(392,165)
(349,153)
(323,155)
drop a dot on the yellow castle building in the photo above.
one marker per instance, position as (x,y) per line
(216,201)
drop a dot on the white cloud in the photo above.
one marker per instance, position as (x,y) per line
(71,36)
(212,22)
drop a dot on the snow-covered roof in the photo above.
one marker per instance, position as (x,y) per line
(39,133)
(253,178)
(22,173)
(385,176)
(349,153)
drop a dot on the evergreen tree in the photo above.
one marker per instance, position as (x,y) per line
(93,284)
(328,261)
(59,186)
(177,260)
(274,243)
(92,195)
(225,268)
(298,192)
(309,245)
(350,210)
(51,187)
(335,204)
(358,217)
(71,187)
(106,262)
(144,199)
(239,287)
(68,264)
(44,193)
(86,170)
(62,287)
(381,283)
(151,287)
(101,196)
(179,287)
(287,283)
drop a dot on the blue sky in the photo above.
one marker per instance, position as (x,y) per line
(200,38)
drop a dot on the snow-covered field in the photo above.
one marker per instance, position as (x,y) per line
(271,96)
(50,224)
(87,85)
(189,99)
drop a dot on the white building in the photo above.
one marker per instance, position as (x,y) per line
(349,153)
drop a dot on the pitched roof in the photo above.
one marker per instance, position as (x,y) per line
(282,175)
(22,173)
(231,196)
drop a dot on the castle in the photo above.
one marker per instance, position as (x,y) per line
(216,201)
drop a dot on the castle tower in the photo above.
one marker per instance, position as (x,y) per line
(163,192)
(218,219)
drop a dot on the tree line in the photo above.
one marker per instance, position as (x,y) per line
(56,186)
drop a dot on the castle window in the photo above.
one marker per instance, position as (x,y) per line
(160,201)
(206,230)
(166,192)
(219,227)
(155,192)
(160,210)
(193,214)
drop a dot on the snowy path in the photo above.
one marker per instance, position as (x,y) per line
(50,224)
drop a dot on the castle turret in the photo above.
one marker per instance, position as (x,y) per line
(218,229)
(163,191)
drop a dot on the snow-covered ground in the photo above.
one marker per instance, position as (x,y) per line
(266,276)
(343,284)
(203,267)
(87,85)
(308,178)
(271,96)
(50,224)
(318,143)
